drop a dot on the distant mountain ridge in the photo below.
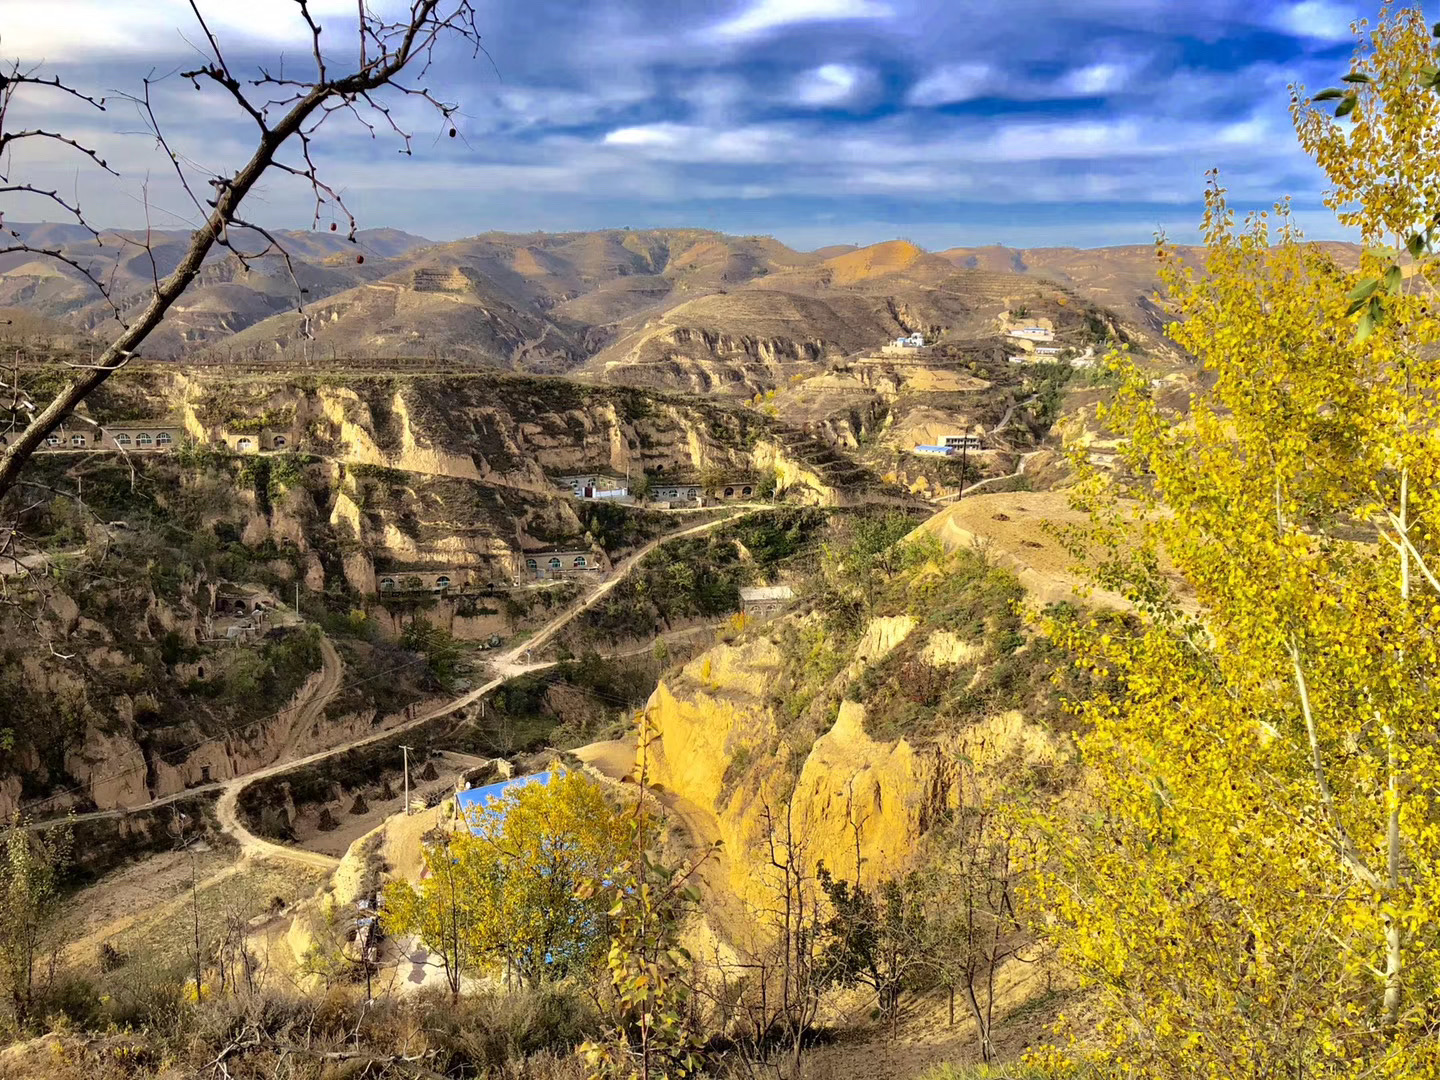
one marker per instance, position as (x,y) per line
(689,308)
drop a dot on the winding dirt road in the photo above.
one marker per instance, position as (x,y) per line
(506,666)
(316,696)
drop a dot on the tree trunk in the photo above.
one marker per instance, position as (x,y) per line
(986,1053)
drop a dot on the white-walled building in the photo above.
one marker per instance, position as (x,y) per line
(595,485)
(1034,333)
(963,442)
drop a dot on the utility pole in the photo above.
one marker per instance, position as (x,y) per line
(297,594)
(407,750)
(964,458)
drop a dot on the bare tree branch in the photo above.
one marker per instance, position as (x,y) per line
(389,47)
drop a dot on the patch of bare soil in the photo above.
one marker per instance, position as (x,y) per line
(112,904)
(1016,530)
(349,827)
(1029,998)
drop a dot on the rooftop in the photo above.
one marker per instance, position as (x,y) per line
(140,425)
(477,801)
(767,592)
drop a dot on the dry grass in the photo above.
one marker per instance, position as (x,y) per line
(874,261)
(159,926)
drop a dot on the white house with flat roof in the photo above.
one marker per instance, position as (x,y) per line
(595,485)
(759,601)
(1033,333)
(963,442)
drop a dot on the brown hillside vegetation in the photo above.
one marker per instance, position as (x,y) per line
(875,261)
(689,309)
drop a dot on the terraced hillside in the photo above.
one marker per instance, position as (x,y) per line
(679,309)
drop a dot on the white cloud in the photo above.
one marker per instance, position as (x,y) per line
(1095,80)
(648,135)
(953,83)
(542,106)
(830,84)
(1321,19)
(763,16)
(59,30)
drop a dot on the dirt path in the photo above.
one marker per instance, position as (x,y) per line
(1004,420)
(318,696)
(980,485)
(309,709)
(555,625)
(227,813)
(506,666)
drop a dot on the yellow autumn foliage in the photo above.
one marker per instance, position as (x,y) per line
(516,890)
(1250,885)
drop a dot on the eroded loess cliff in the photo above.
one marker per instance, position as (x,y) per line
(848,731)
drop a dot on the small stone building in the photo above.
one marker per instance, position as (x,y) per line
(675,493)
(422,580)
(128,435)
(963,442)
(595,485)
(762,601)
(142,435)
(262,439)
(733,490)
(539,565)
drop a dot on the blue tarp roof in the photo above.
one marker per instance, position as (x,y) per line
(474,801)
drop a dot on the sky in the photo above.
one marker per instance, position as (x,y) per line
(947,122)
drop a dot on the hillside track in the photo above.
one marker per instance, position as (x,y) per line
(506,666)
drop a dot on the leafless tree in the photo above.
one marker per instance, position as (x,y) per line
(388,59)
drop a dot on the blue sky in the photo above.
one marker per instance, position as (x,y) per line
(1026,122)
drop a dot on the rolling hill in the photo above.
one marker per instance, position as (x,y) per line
(685,309)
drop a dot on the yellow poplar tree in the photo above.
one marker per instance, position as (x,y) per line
(1249,883)
(512,888)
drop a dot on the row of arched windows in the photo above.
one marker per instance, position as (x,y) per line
(142,439)
(579,563)
(245,444)
(387,584)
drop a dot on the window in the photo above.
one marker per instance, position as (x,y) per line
(554,564)
(278,442)
(531,564)
(387,584)
(77,440)
(442,582)
(163,439)
(245,445)
(144,439)
(121,439)
(729,491)
(580,561)
(672,493)
(745,491)
(52,440)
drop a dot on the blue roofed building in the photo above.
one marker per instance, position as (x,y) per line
(478,801)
